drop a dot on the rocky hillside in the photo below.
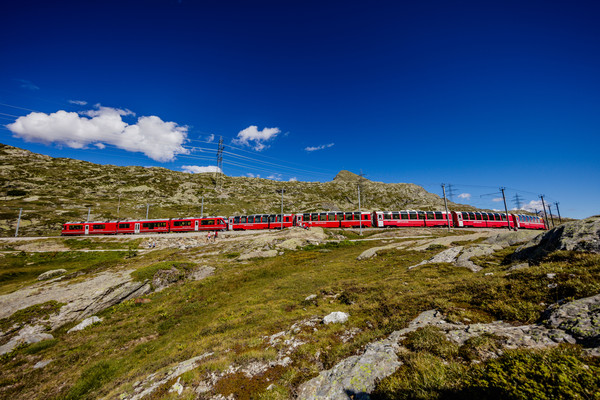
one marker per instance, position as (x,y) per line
(52,191)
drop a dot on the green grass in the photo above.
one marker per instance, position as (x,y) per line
(232,311)
(147,272)
(29,314)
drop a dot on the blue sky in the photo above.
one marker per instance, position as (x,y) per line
(474,94)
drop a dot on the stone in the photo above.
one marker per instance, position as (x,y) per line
(464,260)
(26,335)
(51,274)
(85,323)
(353,377)
(506,239)
(163,278)
(177,387)
(580,318)
(336,317)
(446,256)
(41,364)
(582,235)
(311,297)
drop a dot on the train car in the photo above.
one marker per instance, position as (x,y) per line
(260,221)
(144,226)
(90,228)
(335,219)
(198,224)
(384,219)
(474,219)
(524,221)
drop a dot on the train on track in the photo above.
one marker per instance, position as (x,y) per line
(375,219)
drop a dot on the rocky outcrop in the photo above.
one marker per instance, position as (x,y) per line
(355,377)
(27,335)
(84,324)
(583,235)
(258,254)
(507,239)
(446,256)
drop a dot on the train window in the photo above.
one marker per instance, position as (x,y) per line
(465,215)
(331,217)
(395,215)
(207,222)
(348,216)
(485,216)
(278,218)
(472,216)
(357,216)
(439,215)
(503,217)
(421,214)
(251,219)
(403,215)
(123,226)
(491,216)
(340,216)
(478,216)
(429,215)
(306,217)
(314,217)
(413,215)
(387,216)
(99,226)
(322,217)
(75,227)
(366,217)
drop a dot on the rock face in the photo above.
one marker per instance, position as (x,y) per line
(28,334)
(446,256)
(583,235)
(356,376)
(506,239)
(51,274)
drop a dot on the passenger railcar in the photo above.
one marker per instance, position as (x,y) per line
(334,219)
(198,224)
(90,228)
(260,221)
(384,219)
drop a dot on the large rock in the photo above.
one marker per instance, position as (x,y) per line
(336,317)
(85,323)
(51,274)
(28,334)
(580,318)
(583,235)
(464,260)
(506,239)
(355,376)
(446,256)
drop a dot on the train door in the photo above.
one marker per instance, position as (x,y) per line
(196,225)
(137,227)
(230,224)
(87,229)
(459,219)
(379,220)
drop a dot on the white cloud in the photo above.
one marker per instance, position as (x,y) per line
(275,177)
(210,138)
(533,205)
(157,139)
(251,175)
(497,199)
(25,84)
(78,102)
(252,137)
(321,147)
(100,145)
(196,169)
(293,179)
(465,196)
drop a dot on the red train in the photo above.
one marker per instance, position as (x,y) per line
(377,219)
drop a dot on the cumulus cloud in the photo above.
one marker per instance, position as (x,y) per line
(159,140)
(196,169)
(497,199)
(254,138)
(78,102)
(275,177)
(321,147)
(465,196)
(25,84)
(533,205)
(251,175)
(293,179)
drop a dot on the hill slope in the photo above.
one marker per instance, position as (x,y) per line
(52,191)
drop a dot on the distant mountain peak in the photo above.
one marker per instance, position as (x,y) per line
(346,176)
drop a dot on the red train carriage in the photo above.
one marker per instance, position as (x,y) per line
(260,221)
(90,228)
(529,222)
(198,224)
(383,219)
(334,219)
(143,226)
(482,219)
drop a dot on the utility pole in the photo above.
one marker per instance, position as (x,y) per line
(505,208)
(518,201)
(551,217)
(202,208)
(147,210)
(446,206)
(360,177)
(89,210)
(218,173)
(18,222)
(119,207)
(282,192)
(558,211)
(545,215)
